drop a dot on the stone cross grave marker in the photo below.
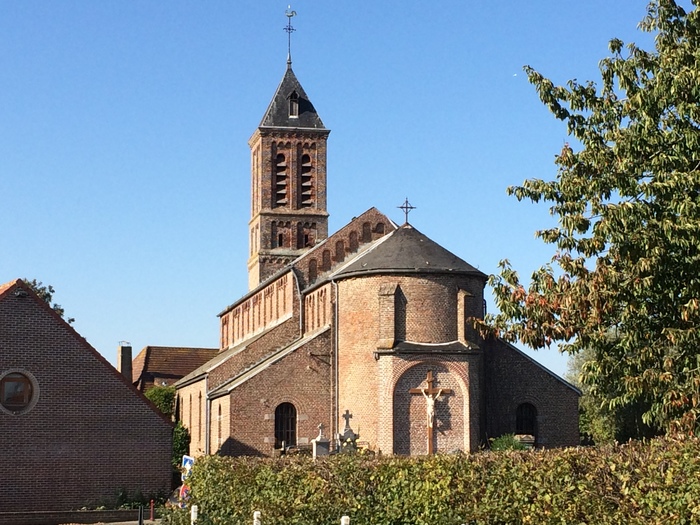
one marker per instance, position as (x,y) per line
(347,417)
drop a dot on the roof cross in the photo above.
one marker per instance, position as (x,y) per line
(289,29)
(407,208)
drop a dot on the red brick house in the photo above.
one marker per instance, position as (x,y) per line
(75,432)
(164,365)
(365,320)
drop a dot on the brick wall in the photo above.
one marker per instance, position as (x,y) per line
(192,412)
(292,218)
(89,435)
(364,229)
(267,307)
(374,388)
(302,378)
(513,378)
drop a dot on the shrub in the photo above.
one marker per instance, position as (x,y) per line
(506,442)
(652,482)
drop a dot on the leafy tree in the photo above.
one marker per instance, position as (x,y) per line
(598,422)
(45,292)
(162,397)
(181,444)
(627,202)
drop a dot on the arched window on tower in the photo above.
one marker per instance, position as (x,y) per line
(526,419)
(280,181)
(306,197)
(294,104)
(285,425)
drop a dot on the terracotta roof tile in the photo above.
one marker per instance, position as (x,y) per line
(7,286)
(168,362)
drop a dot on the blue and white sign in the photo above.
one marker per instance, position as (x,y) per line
(187,462)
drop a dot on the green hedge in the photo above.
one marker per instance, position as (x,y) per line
(654,482)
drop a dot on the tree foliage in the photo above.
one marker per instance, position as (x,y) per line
(163,397)
(181,444)
(627,203)
(598,422)
(45,292)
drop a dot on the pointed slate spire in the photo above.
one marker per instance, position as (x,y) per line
(290,106)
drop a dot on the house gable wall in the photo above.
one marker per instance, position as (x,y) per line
(89,435)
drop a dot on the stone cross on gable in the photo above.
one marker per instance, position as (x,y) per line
(431,394)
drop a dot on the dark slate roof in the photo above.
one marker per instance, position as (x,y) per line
(406,250)
(277,114)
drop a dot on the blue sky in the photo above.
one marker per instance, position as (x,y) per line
(124,164)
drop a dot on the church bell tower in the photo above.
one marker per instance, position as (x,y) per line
(288,189)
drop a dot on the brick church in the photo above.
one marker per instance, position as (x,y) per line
(370,321)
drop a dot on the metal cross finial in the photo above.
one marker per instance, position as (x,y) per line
(289,29)
(407,208)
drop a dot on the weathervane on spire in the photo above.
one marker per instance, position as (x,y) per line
(289,29)
(407,208)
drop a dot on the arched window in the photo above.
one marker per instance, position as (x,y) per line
(280,180)
(199,418)
(326,260)
(526,419)
(354,245)
(313,270)
(339,251)
(294,104)
(285,425)
(218,430)
(366,232)
(306,194)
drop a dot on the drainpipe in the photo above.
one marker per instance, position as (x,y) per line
(335,404)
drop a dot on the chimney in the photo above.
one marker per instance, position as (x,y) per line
(124,361)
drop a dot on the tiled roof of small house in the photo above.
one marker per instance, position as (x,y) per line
(5,287)
(168,363)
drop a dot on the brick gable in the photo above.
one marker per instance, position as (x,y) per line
(90,432)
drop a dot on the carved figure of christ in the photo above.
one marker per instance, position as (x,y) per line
(431,394)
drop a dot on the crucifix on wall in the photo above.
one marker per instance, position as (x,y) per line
(431,394)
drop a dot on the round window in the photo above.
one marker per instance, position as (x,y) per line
(18,392)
